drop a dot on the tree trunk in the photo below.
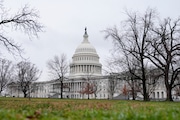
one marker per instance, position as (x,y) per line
(88,96)
(133,93)
(168,86)
(88,85)
(25,94)
(144,91)
(29,95)
(144,80)
(61,89)
(95,96)
(169,94)
(0,93)
(168,90)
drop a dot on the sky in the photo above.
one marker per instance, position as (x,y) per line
(65,21)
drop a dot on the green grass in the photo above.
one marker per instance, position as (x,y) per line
(56,109)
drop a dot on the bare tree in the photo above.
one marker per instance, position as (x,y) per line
(6,73)
(58,67)
(165,53)
(130,67)
(127,68)
(132,39)
(26,20)
(27,74)
(96,89)
(134,87)
(134,84)
(112,84)
(88,88)
(153,76)
(125,91)
(177,90)
(113,69)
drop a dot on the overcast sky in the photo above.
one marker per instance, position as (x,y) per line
(65,20)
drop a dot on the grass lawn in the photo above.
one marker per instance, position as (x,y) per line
(57,109)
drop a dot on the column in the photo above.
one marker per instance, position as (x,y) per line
(75,68)
(88,68)
(78,86)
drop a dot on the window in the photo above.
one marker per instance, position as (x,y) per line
(153,94)
(162,94)
(157,94)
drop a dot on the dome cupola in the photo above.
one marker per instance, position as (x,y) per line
(85,46)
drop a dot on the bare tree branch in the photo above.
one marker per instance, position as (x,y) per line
(26,20)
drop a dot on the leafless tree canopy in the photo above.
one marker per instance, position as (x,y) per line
(90,85)
(58,67)
(6,73)
(112,85)
(26,20)
(27,73)
(131,39)
(165,52)
(144,41)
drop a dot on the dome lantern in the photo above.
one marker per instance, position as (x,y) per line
(85,36)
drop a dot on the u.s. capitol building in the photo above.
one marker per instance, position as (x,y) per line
(85,80)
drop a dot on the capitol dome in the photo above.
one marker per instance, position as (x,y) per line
(85,60)
(85,46)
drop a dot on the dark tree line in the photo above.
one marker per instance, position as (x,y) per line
(145,41)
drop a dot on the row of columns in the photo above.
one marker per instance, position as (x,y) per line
(158,94)
(75,89)
(86,59)
(85,68)
(75,86)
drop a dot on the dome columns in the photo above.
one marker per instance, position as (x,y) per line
(85,69)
